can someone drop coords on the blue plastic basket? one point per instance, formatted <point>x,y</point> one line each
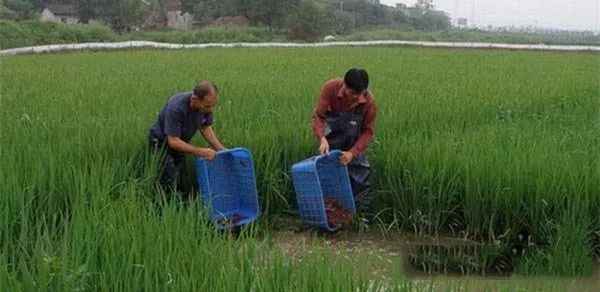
<point>318,178</point>
<point>228,187</point>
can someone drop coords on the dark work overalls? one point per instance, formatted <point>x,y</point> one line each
<point>342,131</point>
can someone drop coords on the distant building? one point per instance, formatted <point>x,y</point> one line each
<point>65,13</point>
<point>175,16</point>
<point>172,16</point>
<point>462,22</point>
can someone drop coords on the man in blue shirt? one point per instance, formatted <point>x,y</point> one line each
<point>178,121</point>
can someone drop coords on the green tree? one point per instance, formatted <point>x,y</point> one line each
<point>343,22</point>
<point>186,5</point>
<point>121,15</point>
<point>6,13</point>
<point>437,20</point>
<point>431,20</point>
<point>207,10</point>
<point>90,9</point>
<point>272,13</point>
<point>395,18</point>
<point>129,13</point>
<point>22,9</point>
<point>308,21</point>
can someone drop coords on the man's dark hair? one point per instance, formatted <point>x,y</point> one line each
<point>203,88</point>
<point>357,79</point>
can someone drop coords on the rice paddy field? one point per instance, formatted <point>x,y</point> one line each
<point>500,148</point>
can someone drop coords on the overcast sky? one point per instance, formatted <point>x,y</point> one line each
<point>565,14</point>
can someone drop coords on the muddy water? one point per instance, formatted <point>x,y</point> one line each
<point>386,256</point>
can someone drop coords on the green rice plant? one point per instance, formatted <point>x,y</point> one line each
<point>482,144</point>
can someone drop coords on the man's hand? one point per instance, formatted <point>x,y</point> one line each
<point>346,157</point>
<point>324,147</point>
<point>206,153</point>
<point>209,135</point>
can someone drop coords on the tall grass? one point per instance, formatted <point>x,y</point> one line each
<point>474,35</point>
<point>34,33</point>
<point>223,34</point>
<point>481,144</point>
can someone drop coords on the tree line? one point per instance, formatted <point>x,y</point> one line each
<point>302,19</point>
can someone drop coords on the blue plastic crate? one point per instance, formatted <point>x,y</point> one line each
<point>228,186</point>
<point>318,178</point>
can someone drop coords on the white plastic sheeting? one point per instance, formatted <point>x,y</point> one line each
<point>156,45</point>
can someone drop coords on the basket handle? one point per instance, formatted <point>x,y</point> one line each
<point>332,155</point>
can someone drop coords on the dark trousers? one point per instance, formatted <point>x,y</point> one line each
<point>359,171</point>
<point>170,165</point>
